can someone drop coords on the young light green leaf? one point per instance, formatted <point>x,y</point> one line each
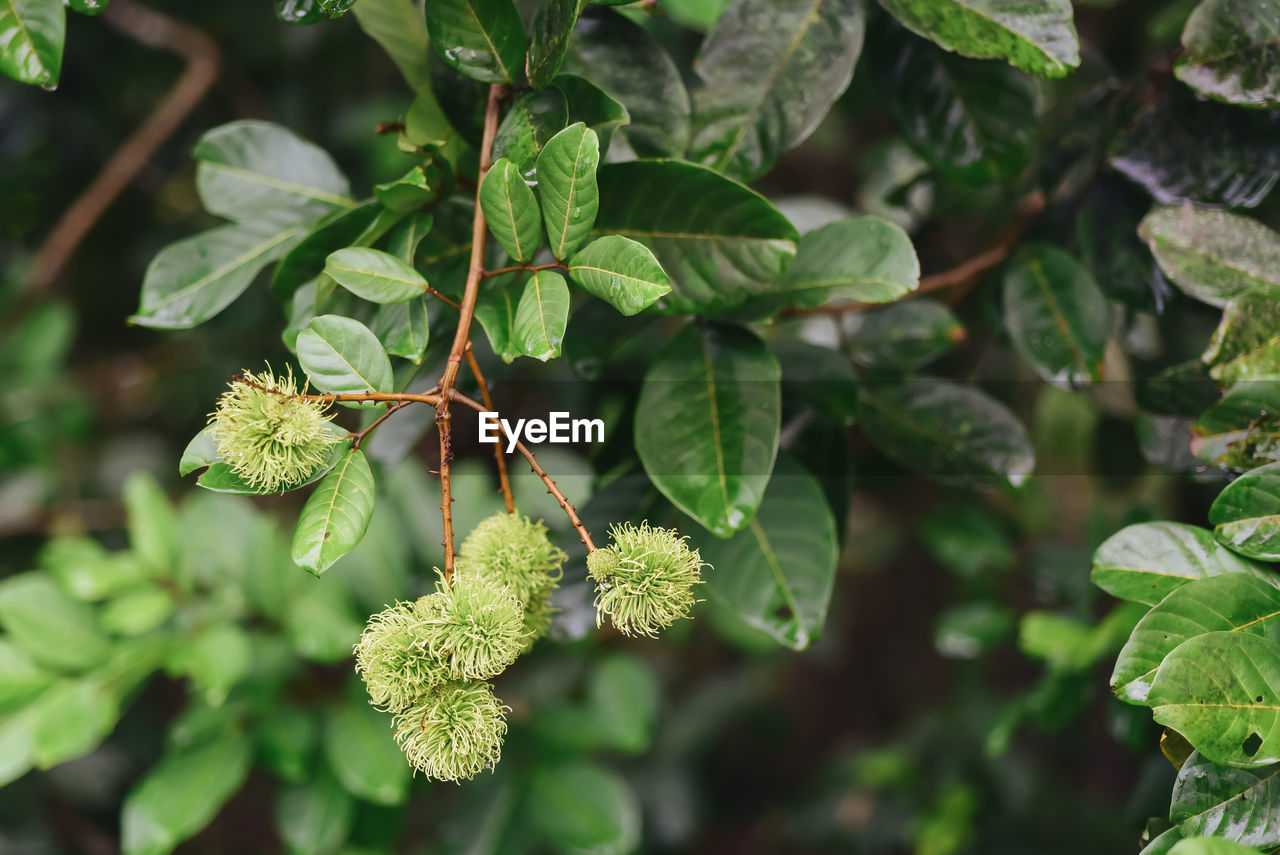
<point>861,258</point>
<point>153,529</point>
<point>374,275</point>
<point>718,241</point>
<point>31,37</point>
<point>538,328</point>
<point>951,433</point>
<point>1039,37</point>
<point>511,210</point>
<point>182,794</point>
<point>1057,316</point>
<point>1234,803</point>
<point>707,424</point>
<point>567,187</point>
<point>72,719</point>
<point>55,630</point>
<point>1221,691</point>
<point>17,743</point>
<point>1234,602</point>
<point>364,756</point>
<point>620,271</point>
<point>20,678</point>
<point>551,30</point>
<point>1231,53</point>
<point>584,807</point>
<point>399,27</point>
<point>194,279</point>
<point>215,660</point>
<point>781,568</point>
<point>483,39</point>
<point>403,328</point>
<point>770,69</point>
<point>249,168</point>
<point>1213,255</point>
<point>315,815</point>
<point>336,515</point>
<point>1146,562</point>
<point>342,355</point>
<point>1246,515</point>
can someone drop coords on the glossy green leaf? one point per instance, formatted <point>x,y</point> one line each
<point>511,210</point>
<point>403,328</point>
<point>1246,515</point>
<point>550,32</point>
<point>250,168</point>
<point>625,61</point>
<point>1146,562</point>
<point>1037,36</point>
<point>707,424</point>
<point>342,355</point>
<point>399,27</point>
<point>306,259</point>
<point>952,433</point>
<point>538,327</point>
<point>496,311</point>
<point>527,126</point>
<point>363,754</point>
<point>53,629</point>
<point>194,279</point>
<point>1056,315</point>
<point>905,335</point>
<point>336,515</point>
<point>1210,846</point>
<point>1221,691</point>
<point>719,242</point>
<point>972,121</point>
<point>594,107</point>
<point>483,39</point>
<point>72,719</point>
<point>861,258</point>
<point>567,187</point>
<point>1242,431</point>
<point>1236,804</point>
<point>420,186</point>
<point>580,807</point>
<point>31,36</point>
<point>1246,345</point>
<point>182,794</point>
<point>314,817</point>
<point>1214,255</point>
<point>1231,53</point>
<point>770,71</point>
<point>620,271</point>
<point>374,275</point>
<point>777,574</point>
<point>1233,602</point>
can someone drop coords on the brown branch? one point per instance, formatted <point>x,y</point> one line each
<point>504,483</point>
<point>162,32</point>
<point>434,293</point>
<point>532,268</point>
<point>359,437</point>
<point>565,504</point>
<point>446,491</point>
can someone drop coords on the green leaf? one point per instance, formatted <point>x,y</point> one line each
<point>31,37</point>
<point>1210,846</point>
<point>1057,316</point>
<point>623,695</point>
<point>17,743</point>
<point>620,271</point>
<point>322,622</point>
<point>182,794</point>
<point>215,660</point>
<point>341,355</point>
<point>314,817</point>
<point>286,740</point>
<point>153,527</point>
<point>363,755</point>
<point>862,258</point>
<point>1038,37</point>
<point>511,211</point>
<point>707,424</point>
<point>249,168</point>
<point>420,186</point>
<point>305,261</point>
<point>594,107</point>
<point>72,719</point>
<point>336,515</point>
<point>905,335</point>
<point>581,806</point>
<point>567,187</point>
<point>1234,602</point>
<point>770,71</point>
<point>1214,255</point>
<point>1235,803</point>
<point>951,433</point>
<point>538,328</point>
<point>399,27</point>
<point>374,275</point>
<point>496,311</point>
<point>1246,345</point>
<point>403,329</point>
<point>778,573</point>
<point>1231,53</point>
<point>1146,562</point>
<point>550,34</point>
<point>1242,431</point>
<point>194,279</point>
<point>55,630</point>
<point>20,678</point>
<point>526,128</point>
<point>719,242</point>
<point>1221,691</point>
<point>138,611</point>
<point>1246,515</point>
<point>86,571</point>
<point>973,121</point>
<point>483,39</point>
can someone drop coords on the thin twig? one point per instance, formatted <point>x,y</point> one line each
<point>359,437</point>
<point>157,30</point>
<point>434,293</point>
<point>532,268</point>
<point>446,492</point>
<point>504,483</point>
